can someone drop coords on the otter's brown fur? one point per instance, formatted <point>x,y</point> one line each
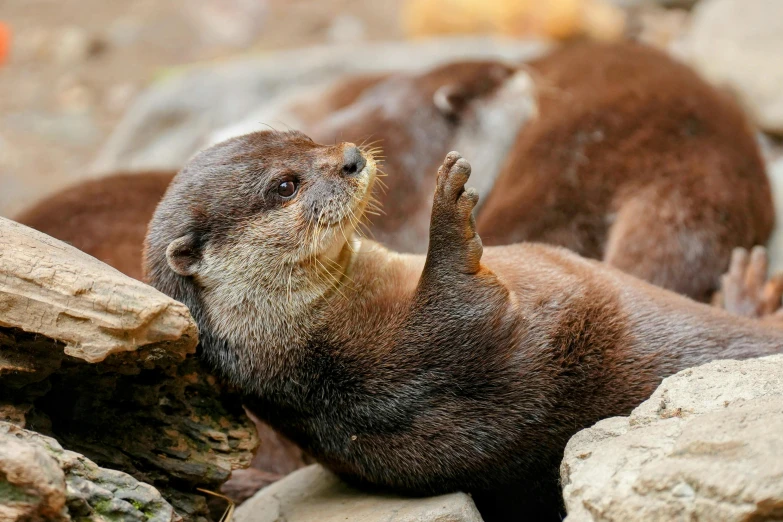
<point>635,160</point>
<point>418,374</point>
<point>106,218</point>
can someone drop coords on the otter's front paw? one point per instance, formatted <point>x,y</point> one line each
<point>453,237</point>
<point>745,289</point>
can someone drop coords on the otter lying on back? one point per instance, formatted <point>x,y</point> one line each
<point>423,374</point>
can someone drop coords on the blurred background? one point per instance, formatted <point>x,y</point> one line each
<point>91,86</point>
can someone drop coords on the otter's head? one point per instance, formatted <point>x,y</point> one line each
<point>247,219</point>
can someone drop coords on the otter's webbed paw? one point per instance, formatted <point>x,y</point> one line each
<point>453,238</point>
<point>745,289</point>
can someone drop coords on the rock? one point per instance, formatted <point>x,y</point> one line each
<point>706,446</point>
<point>58,291</point>
<point>173,119</point>
<point>313,493</point>
<point>105,365</point>
<point>738,44</point>
<point>42,481</point>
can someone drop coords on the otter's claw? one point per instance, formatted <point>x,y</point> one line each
<point>453,228</point>
<point>745,289</point>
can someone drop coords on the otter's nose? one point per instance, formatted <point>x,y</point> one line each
<point>353,161</point>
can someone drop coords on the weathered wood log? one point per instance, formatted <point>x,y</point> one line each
<point>106,365</point>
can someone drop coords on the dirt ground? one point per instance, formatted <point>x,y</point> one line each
<point>76,66</point>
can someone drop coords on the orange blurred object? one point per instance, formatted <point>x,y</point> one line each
<point>555,19</point>
<point>5,42</point>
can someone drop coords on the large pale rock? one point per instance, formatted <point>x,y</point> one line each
<point>706,446</point>
<point>39,480</point>
<point>739,44</point>
<point>313,493</point>
<point>55,290</point>
<point>174,118</point>
<point>106,366</point>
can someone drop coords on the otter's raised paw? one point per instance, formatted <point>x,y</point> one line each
<point>745,289</point>
<point>453,235</point>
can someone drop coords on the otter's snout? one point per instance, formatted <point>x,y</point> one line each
<point>353,161</point>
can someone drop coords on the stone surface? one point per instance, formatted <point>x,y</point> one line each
<point>174,118</point>
<point>738,44</point>
<point>313,493</point>
<point>106,366</point>
<point>706,446</point>
<point>55,290</point>
<point>39,480</point>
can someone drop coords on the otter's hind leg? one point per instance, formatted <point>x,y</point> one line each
<point>747,291</point>
<point>669,243</point>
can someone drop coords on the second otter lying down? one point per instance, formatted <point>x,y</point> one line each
<point>458,370</point>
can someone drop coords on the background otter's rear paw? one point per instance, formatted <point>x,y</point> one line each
<point>745,289</point>
<point>453,235</point>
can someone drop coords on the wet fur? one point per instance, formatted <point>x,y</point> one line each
<point>421,375</point>
<point>635,160</point>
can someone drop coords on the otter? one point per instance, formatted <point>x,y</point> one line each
<point>635,160</point>
<point>467,368</point>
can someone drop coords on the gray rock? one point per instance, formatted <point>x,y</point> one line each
<point>42,481</point>
<point>739,44</point>
<point>313,493</point>
<point>706,446</point>
<point>173,118</point>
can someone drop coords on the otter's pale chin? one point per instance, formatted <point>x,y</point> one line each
<point>340,236</point>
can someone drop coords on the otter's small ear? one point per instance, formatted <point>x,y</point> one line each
<point>183,256</point>
<point>450,100</point>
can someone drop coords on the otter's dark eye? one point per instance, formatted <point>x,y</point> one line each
<point>287,188</point>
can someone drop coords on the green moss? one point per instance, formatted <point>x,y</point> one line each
<point>102,506</point>
<point>107,511</point>
<point>11,493</point>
